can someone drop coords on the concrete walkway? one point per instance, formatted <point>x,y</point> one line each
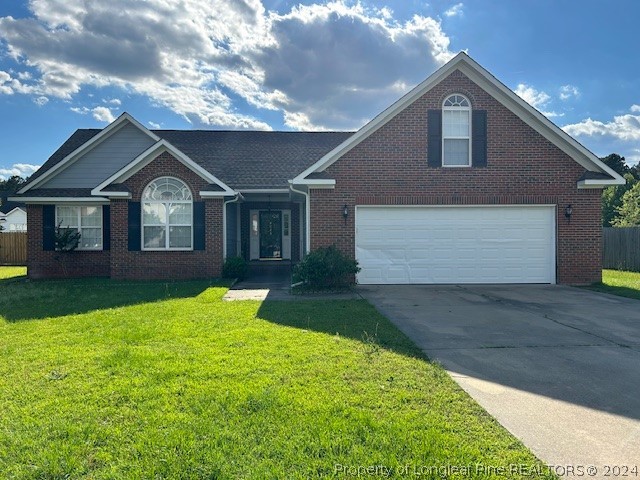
<point>559,367</point>
<point>277,287</point>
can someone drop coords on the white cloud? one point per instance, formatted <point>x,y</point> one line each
<point>103,114</point>
<point>454,11</point>
<point>100,113</point>
<point>536,98</point>
<point>568,91</point>
<point>80,110</point>
<point>635,108</point>
<point>532,96</point>
<point>113,101</point>
<point>334,64</point>
<point>19,169</point>
<point>41,101</point>
<point>154,125</point>
<point>622,127</point>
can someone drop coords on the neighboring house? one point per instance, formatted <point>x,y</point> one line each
<point>459,181</point>
<point>13,216</point>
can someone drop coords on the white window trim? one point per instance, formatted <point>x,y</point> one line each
<point>80,227</point>
<point>453,109</point>
<point>166,225</point>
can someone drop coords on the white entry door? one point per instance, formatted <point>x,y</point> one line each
<point>485,244</point>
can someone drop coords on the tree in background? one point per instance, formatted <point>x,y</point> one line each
<point>617,163</point>
<point>629,211</point>
<point>12,184</point>
<point>613,197</point>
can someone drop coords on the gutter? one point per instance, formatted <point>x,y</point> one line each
<point>236,197</point>
<point>307,216</point>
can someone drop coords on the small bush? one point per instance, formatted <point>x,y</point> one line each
<point>326,267</point>
<point>235,267</point>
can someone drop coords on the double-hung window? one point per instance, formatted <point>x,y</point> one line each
<point>85,220</point>
<point>456,131</point>
<point>167,215</point>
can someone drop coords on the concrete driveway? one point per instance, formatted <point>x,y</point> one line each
<point>559,367</point>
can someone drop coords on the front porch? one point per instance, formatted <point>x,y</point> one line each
<point>264,228</point>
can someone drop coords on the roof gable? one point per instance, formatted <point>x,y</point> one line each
<point>108,187</point>
<point>92,139</point>
<point>502,94</point>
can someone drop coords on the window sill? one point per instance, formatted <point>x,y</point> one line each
<point>167,250</point>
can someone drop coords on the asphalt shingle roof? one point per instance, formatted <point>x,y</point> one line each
<point>246,160</point>
<point>241,159</point>
<point>6,206</point>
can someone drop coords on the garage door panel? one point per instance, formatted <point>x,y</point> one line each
<point>456,244</point>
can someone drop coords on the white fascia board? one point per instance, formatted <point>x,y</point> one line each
<point>582,184</point>
<point>314,183</point>
<point>264,190</point>
<point>111,194</point>
<point>205,194</point>
<point>106,132</point>
<point>59,200</point>
<point>147,157</point>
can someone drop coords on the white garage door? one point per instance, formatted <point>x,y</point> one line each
<point>512,244</point>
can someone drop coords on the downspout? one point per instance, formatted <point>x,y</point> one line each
<point>307,216</point>
<point>224,223</point>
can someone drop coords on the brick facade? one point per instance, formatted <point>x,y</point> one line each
<point>119,262</point>
<point>51,264</point>
<point>390,168</point>
<point>166,265</point>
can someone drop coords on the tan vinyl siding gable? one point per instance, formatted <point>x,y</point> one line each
<point>103,160</point>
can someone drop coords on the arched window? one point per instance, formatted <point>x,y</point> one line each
<point>456,131</point>
<point>167,215</point>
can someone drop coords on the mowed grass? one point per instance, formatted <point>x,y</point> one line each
<point>106,380</point>
<point>624,284</point>
<point>12,272</point>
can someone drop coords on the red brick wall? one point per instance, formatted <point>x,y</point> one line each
<point>390,167</point>
<point>136,265</point>
<point>51,264</point>
<point>166,265</point>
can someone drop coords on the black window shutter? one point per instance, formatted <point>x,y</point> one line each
<point>479,138</point>
<point>48,227</point>
<point>434,138</point>
<point>134,234</point>
<point>106,227</point>
<point>198,226</point>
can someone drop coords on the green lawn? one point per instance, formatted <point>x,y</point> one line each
<point>625,284</point>
<point>100,379</point>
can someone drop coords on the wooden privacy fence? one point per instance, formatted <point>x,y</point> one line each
<point>621,248</point>
<point>13,248</point>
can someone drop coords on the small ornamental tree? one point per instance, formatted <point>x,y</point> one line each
<point>66,239</point>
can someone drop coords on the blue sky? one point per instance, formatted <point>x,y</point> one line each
<point>283,65</point>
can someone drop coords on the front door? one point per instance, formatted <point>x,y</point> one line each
<point>271,234</point>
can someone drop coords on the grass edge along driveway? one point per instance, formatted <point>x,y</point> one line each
<point>100,379</point>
